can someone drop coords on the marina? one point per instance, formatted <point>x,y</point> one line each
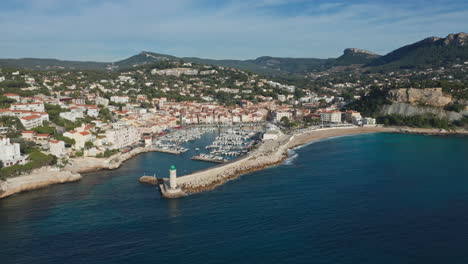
<point>229,142</point>
<point>172,142</point>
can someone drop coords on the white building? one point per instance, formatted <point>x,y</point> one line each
<point>350,115</point>
<point>369,121</point>
<point>120,99</point>
<point>31,121</point>
<point>57,148</point>
<point>331,116</point>
<point>13,96</point>
<point>80,138</point>
<point>93,111</point>
<point>123,136</point>
<point>33,107</point>
<point>72,116</point>
<point>10,153</point>
<point>278,115</point>
<point>102,101</point>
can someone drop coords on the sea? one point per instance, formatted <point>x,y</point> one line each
<point>373,198</point>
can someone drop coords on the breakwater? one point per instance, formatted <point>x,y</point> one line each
<point>270,153</point>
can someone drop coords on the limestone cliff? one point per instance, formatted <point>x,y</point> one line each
<point>411,102</point>
<point>405,109</point>
<point>428,96</point>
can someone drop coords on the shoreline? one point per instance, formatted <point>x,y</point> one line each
<point>91,164</point>
<point>37,179</point>
<point>45,177</point>
<point>269,154</point>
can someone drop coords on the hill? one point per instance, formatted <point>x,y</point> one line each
<point>430,52</point>
<point>52,64</point>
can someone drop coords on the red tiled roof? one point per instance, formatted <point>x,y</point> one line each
<point>85,133</point>
<point>31,117</point>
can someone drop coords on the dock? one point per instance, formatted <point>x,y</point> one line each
<point>209,159</point>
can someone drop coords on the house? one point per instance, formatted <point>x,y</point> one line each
<point>28,134</point>
<point>57,148</point>
<point>93,111</point>
<point>73,115</point>
<point>80,138</point>
<point>10,153</point>
<point>102,101</point>
<point>120,99</point>
<point>13,96</point>
<point>42,137</point>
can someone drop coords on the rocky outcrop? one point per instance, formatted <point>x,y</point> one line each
<point>149,180</point>
<point>37,179</point>
<point>89,164</point>
<point>428,96</point>
<point>460,39</point>
<point>353,51</point>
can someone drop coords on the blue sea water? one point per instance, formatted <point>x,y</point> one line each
<point>376,198</point>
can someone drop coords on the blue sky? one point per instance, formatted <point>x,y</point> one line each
<point>110,30</point>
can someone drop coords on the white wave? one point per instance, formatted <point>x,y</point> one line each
<point>292,155</point>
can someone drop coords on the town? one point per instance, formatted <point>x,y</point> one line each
<point>56,117</point>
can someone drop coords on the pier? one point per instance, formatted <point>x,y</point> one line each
<point>169,151</point>
<point>208,159</point>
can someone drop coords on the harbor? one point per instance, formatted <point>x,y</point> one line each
<point>229,142</point>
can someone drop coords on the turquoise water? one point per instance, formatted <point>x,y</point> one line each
<point>377,198</point>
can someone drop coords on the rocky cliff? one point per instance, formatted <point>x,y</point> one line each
<point>428,96</point>
<point>411,102</point>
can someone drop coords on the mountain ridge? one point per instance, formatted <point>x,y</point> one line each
<point>429,51</point>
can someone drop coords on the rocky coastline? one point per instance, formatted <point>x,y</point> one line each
<point>90,164</point>
<point>47,176</point>
<point>37,179</point>
<point>430,131</point>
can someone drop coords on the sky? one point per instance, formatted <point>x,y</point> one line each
<point>111,30</point>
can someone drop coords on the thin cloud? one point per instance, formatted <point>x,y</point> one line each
<point>110,30</point>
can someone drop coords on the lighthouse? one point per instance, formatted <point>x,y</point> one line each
<point>173,178</point>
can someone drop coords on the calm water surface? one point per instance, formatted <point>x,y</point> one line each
<point>377,198</point>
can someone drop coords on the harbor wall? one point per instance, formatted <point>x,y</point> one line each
<point>270,153</point>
